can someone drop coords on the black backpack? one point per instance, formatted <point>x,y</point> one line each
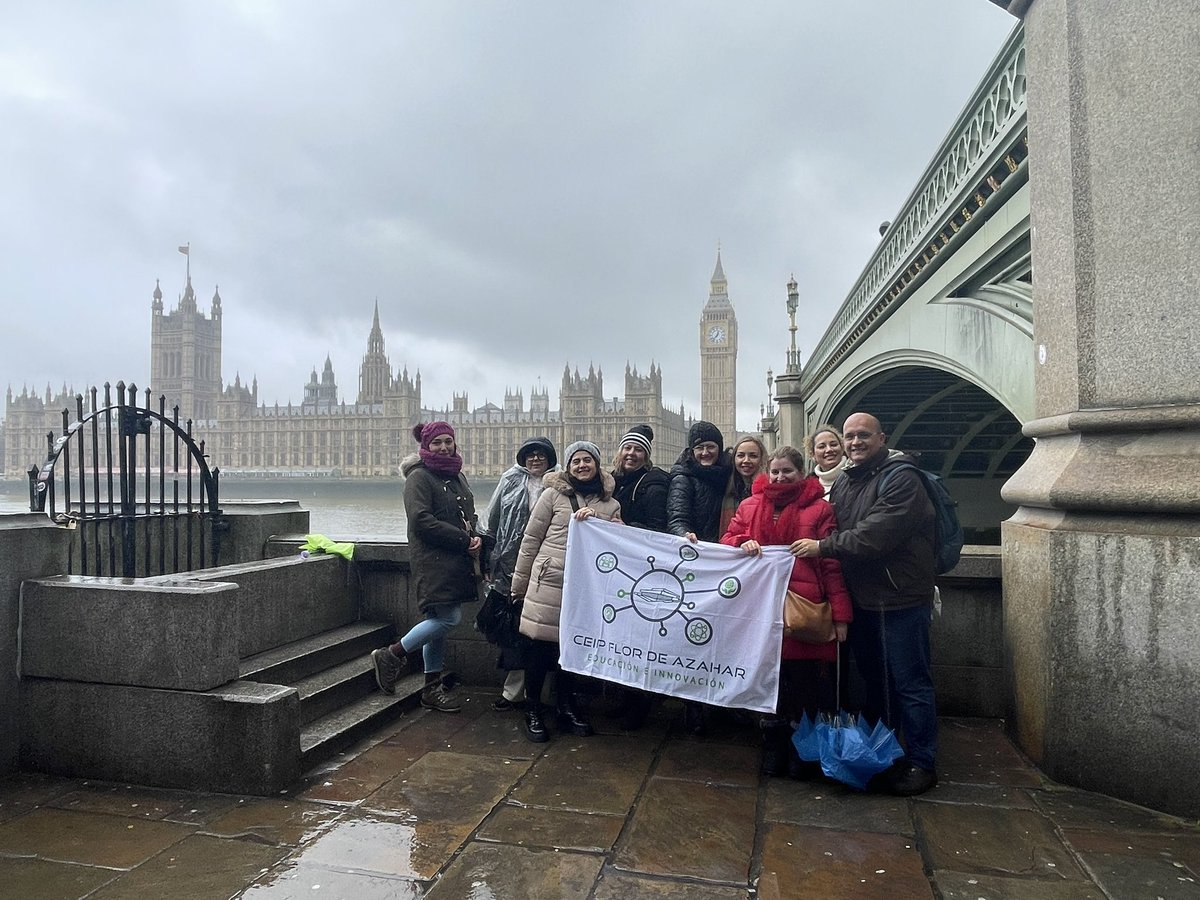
<point>947,531</point>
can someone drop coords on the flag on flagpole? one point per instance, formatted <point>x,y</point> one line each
<point>698,621</point>
<point>183,248</point>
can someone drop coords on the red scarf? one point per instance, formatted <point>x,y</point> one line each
<point>791,500</point>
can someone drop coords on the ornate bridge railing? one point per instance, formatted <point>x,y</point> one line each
<point>135,485</point>
<point>982,160</point>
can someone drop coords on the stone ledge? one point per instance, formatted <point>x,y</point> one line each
<point>241,738</point>
<point>130,632</point>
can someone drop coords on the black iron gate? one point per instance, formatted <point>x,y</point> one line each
<point>134,484</point>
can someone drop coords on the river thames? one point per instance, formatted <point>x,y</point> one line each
<point>336,508</point>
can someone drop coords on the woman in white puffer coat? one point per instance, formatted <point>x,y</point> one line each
<point>583,490</point>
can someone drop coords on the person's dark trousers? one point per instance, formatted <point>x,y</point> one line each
<point>891,650</point>
<point>541,659</point>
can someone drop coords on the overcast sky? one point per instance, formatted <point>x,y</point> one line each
<point>521,185</point>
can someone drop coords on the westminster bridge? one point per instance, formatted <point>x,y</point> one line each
<point>1027,324</point>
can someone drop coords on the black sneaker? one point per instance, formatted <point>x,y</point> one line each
<point>435,696</point>
<point>912,780</point>
<point>388,668</point>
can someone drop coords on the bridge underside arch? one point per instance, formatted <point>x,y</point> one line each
<point>956,429</point>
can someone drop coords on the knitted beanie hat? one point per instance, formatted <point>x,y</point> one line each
<point>425,433</point>
<point>583,445</point>
<point>541,443</point>
<point>641,435</point>
<point>702,431</point>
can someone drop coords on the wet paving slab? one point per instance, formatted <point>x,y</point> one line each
<point>436,805</point>
<point>198,866</point>
<point>114,842</point>
<point>122,800</point>
<point>975,751</point>
<point>23,792</point>
<point>44,879</point>
<point>616,885</point>
<point>1001,841</point>
<point>497,870</point>
<point>600,774</point>
<point>826,804</point>
<point>441,799</point>
<point>821,862</point>
<point>529,826</point>
<point>297,879</point>
<point>691,829</point>
<point>269,821</point>
<point>732,764</point>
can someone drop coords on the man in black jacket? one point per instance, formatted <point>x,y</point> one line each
<point>885,541</point>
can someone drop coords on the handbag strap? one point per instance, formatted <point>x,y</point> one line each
<point>574,502</point>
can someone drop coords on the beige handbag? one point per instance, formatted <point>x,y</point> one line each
<point>807,621</point>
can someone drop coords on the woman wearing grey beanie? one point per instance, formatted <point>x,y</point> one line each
<point>583,490</point>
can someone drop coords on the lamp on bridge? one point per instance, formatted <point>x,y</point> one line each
<point>793,303</point>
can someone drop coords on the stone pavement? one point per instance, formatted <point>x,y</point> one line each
<point>457,806</point>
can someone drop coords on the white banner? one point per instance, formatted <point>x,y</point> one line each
<point>700,621</point>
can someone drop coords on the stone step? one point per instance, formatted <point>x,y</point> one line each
<point>325,736</point>
<point>290,663</point>
<point>324,692</point>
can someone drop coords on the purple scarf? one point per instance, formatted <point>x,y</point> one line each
<point>440,464</point>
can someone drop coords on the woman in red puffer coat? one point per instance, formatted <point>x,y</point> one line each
<point>784,507</point>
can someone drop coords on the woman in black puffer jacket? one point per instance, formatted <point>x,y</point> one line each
<point>698,482</point>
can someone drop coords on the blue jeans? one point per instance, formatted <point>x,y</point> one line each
<point>430,634</point>
<point>892,652</point>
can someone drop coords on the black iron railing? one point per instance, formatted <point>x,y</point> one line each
<point>152,504</point>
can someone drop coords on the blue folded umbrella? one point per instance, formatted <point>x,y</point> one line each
<point>846,748</point>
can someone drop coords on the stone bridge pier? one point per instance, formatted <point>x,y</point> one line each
<point>1102,560</point>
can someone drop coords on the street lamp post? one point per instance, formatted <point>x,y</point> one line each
<point>793,303</point>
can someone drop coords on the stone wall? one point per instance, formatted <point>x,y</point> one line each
<point>30,547</point>
<point>33,548</point>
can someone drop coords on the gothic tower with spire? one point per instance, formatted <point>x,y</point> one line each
<point>375,373</point>
<point>185,354</point>
<point>718,357</point>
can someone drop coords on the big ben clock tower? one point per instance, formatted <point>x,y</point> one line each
<point>718,357</point>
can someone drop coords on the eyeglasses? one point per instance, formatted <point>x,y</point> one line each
<point>535,454</point>
<point>859,435</point>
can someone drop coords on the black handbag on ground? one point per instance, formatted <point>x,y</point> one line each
<point>499,619</point>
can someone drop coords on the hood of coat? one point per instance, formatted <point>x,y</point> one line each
<point>891,458</point>
<point>409,463</point>
<point>560,482</point>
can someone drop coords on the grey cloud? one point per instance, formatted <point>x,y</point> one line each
<point>520,184</point>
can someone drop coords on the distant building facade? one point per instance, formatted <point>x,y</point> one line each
<point>367,438</point>
<point>324,435</point>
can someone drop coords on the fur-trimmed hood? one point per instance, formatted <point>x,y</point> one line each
<point>560,482</point>
<point>409,463</point>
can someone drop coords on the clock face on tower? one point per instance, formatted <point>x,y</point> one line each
<point>716,335</point>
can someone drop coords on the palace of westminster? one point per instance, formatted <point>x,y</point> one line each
<point>327,436</point>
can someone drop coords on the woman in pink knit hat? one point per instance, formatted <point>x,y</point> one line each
<point>443,553</point>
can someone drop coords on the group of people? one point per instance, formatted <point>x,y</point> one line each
<point>854,515</point>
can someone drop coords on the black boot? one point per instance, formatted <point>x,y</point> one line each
<point>797,768</point>
<point>571,720</point>
<point>637,707</point>
<point>535,725</point>
<point>695,718</point>
<point>776,742</point>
